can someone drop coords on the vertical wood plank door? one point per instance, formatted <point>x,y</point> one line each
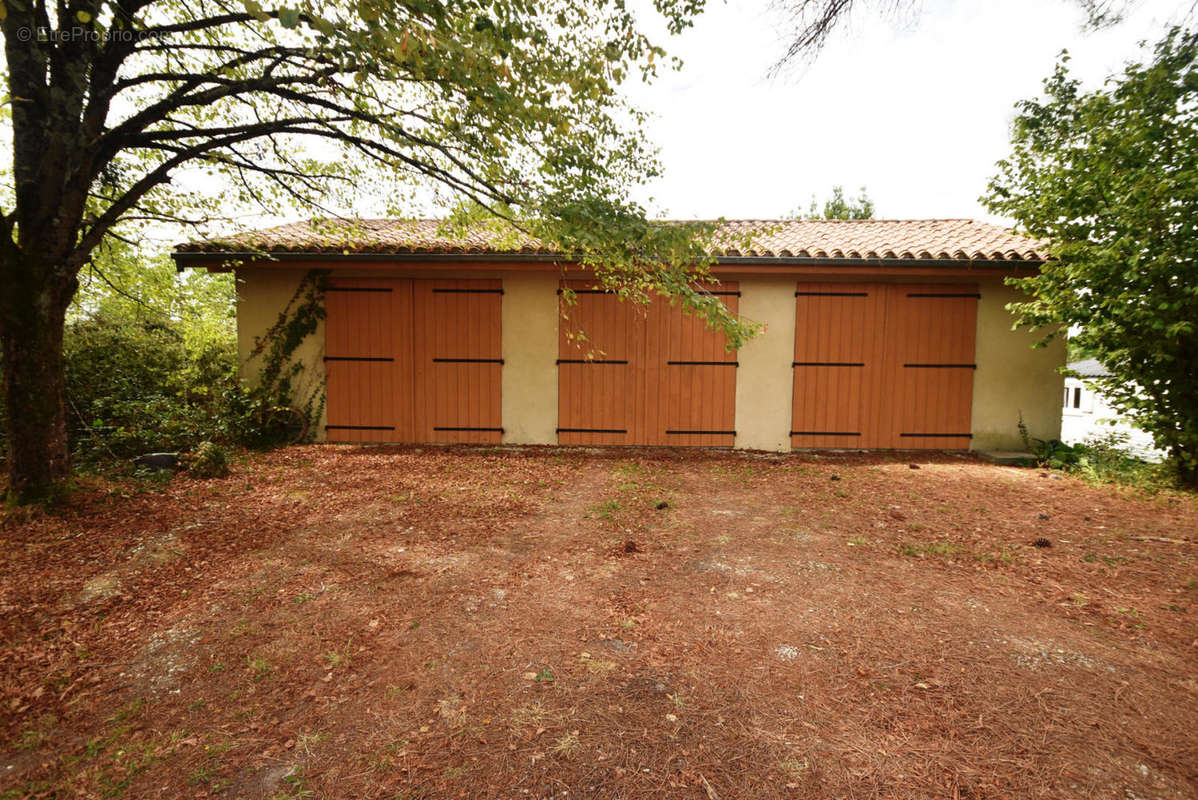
<point>930,333</point>
<point>600,352</point>
<point>837,367</point>
<point>637,375</point>
<point>368,360</point>
<point>458,361</point>
<point>691,376</point>
<point>887,366</point>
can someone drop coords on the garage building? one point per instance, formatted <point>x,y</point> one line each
<point>879,334</point>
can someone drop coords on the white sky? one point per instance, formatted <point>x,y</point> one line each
<point>918,110</point>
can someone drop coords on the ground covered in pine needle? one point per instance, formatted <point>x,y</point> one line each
<point>352,622</point>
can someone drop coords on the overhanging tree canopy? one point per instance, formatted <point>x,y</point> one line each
<point>511,107</point>
<point>1110,178</point>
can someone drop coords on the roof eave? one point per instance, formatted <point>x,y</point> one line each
<point>186,258</point>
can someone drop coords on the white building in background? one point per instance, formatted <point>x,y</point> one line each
<point>1086,413</point>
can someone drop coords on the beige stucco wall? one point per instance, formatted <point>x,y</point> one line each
<point>763,380</point>
<point>262,295</point>
<point>1012,378</point>
<point>529,323</point>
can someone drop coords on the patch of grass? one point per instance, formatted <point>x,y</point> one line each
<point>209,771</point>
<point>28,739</point>
<point>340,658</point>
<point>740,473</point>
<point>385,760</point>
<point>1003,556</point>
<point>795,767</point>
<point>128,761</point>
<point>942,549</point>
<point>545,676</point>
<point>1110,561</point>
<point>452,710</point>
<point>596,666</point>
<point>531,716</point>
<point>259,666</point>
<point>296,787</point>
<point>630,470</point>
<point>607,509</point>
<point>202,774</point>
<point>251,595</point>
<point>129,710</point>
<point>29,789</point>
<point>306,741</point>
<point>568,744</point>
<point>118,755</point>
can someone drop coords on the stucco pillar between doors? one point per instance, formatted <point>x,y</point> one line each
<point>529,322</point>
<point>764,379</point>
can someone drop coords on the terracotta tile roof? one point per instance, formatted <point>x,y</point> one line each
<point>931,239</point>
<point>887,239</point>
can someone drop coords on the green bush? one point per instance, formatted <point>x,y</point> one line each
<point>137,386</point>
<point>208,460</point>
<point>1105,458</point>
<point>152,364</point>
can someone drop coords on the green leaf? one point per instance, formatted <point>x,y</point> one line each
<point>254,9</point>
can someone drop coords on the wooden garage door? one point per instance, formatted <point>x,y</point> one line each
<point>883,365</point>
<point>368,360</point>
<point>459,364</point>
<point>692,375</point>
<point>413,360</point>
<point>930,332</point>
<point>631,374</point>
<point>599,375</point>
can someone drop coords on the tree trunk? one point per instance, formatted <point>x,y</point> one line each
<point>31,329</point>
